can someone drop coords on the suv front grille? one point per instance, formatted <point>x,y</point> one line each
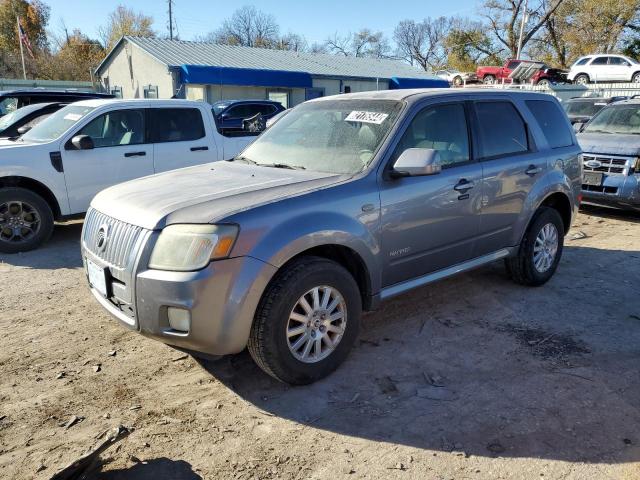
<point>119,238</point>
<point>608,164</point>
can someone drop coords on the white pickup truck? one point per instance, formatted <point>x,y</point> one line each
<point>54,170</point>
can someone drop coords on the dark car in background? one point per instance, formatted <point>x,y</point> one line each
<point>582,109</point>
<point>11,100</point>
<point>229,114</point>
<point>14,124</point>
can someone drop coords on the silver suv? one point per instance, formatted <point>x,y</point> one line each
<point>345,202</point>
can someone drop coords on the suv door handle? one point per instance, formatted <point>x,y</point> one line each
<point>464,185</point>
<point>533,170</point>
<point>199,149</point>
<point>135,154</point>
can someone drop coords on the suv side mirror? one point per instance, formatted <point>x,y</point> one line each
<point>578,126</point>
<point>24,129</point>
<point>416,162</point>
<point>82,142</point>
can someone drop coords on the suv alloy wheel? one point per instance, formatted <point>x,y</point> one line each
<point>582,79</point>
<point>306,322</point>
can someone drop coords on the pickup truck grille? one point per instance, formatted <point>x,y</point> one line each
<point>109,239</point>
<point>607,164</point>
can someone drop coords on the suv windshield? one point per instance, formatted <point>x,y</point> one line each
<point>58,123</point>
<point>587,108</point>
<point>623,119</point>
<point>335,136</point>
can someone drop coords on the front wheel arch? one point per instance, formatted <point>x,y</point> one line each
<point>36,187</point>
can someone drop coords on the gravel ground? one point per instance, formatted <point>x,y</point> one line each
<point>471,378</point>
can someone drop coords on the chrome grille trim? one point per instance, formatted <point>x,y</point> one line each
<point>121,242</point>
<point>609,164</point>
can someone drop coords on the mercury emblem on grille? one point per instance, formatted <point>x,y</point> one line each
<point>102,237</point>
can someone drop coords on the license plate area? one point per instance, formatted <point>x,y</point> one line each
<point>592,178</point>
<point>97,277</point>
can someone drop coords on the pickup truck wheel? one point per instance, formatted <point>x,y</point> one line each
<point>489,80</point>
<point>307,321</point>
<point>544,82</point>
<point>582,79</point>
<point>540,250</point>
<point>26,220</point>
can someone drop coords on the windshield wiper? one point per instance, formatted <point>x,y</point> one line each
<point>282,165</point>
<point>242,158</point>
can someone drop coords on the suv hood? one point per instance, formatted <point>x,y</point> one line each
<point>204,193</point>
<point>610,143</point>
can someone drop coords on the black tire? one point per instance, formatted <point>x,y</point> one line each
<point>635,78</point>
<point>34,207</point>
<point>457,81</point>
<point>543,82</point>
<point>489,80</point>
<point>521,268</point>
<point>268,340</point>
<point>582,79</point>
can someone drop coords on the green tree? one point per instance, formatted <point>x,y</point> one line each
<point>34,16</point>
<point>468,44</point>
<point>75,59</point>
<point>125,21</point>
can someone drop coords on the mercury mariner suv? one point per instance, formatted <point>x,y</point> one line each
<point>343,203</point>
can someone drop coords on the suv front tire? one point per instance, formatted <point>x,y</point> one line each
<point>306,322</point>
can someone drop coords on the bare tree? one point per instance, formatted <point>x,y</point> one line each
<point>248,27</point>
<point>364,43</point>
<point>293,42</point>
<point>504,17</point>
<point>125,21</point>
<point>423,42</point>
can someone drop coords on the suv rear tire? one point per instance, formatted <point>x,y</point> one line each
<point>299,334</point>
<point>635,78</point>
<point>540,250</point>
<point>26,220</point>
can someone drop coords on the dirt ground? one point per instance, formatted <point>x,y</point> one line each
<point>471,378</point>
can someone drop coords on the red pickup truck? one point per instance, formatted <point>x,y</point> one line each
<point>544,76</point>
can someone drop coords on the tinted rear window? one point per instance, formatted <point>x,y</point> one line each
<point>175,125</point>
<point>552,121</point>
<point>502,130</point>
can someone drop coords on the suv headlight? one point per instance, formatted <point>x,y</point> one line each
<point>185,248</point>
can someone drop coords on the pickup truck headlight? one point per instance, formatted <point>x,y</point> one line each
<point>185,248</point>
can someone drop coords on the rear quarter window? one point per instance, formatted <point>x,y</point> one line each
<point>552,121</point>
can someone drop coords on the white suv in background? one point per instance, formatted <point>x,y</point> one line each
<point>604,68</point>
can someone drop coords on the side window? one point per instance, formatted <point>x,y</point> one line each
<point>119,127</point>
<point>618,61</point>
<point>240,111</point>
<point>600,61</point>
<point>552,122</point>
<point>267,109</point>
<point>583,61</point>
<point>501,129</point>
<point>175,125</point>
<point>442,128</point>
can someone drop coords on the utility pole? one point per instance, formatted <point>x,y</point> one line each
<point>524,21</point>
<point>170,19</point>
<point>24,71</point>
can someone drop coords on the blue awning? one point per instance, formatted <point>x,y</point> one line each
<point>398,83</point>
<point>244,76</point>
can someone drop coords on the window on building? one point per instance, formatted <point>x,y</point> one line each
<point>552,121</point>
<point>119,127</point>
<point>280,96</point>
<point>347,89</point>
<point>116,91</point>
<point>442,128</point>
<point>175,125</point>
<point>151,91</point>
<point>501,129</point>
<point>195,92</point>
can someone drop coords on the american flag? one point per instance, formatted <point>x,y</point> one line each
<point>24,39</point>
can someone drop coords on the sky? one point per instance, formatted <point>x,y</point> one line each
<point>315,20</point>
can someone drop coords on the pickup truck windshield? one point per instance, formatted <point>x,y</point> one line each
<point>58,123</point>
<point>622,119</point>
<point>337,136</point>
